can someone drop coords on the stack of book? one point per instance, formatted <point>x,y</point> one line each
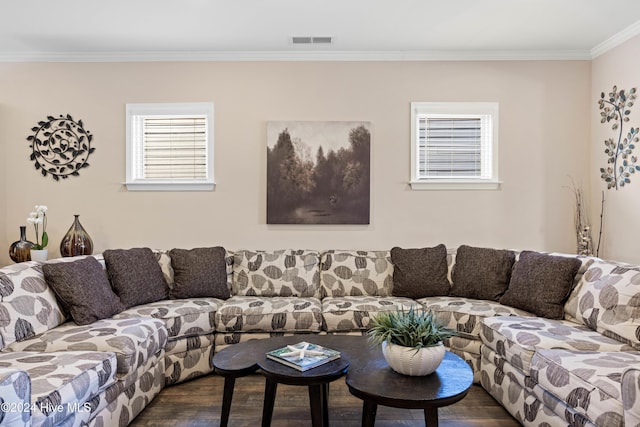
<point>303,356</point>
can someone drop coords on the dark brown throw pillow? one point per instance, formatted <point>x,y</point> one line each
<point>541,283</point>
<point>135,276</point>
<point>83,288</point>
<point>199,272</point>
<point>420,273</point>
<point>481,273</point>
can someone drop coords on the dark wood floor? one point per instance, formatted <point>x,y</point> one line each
<point>197,403</point>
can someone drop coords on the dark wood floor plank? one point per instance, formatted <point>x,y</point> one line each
<point>198,403</point>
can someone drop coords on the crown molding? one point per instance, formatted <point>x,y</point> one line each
<point>315,55</point>
<point>616,40</point>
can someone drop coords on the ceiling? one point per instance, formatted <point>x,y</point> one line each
<point>92,30</point>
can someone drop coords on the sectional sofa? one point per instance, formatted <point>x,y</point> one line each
<point>91,340</point>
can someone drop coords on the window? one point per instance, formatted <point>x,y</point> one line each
<point>454,145</point>
<point>170,147</point>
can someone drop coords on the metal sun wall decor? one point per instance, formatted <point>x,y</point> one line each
<point>621,163</point>
<point>318,172</point>
<point>60,147</point>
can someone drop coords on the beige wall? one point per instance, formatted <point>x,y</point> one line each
<point>621,230</point>
<point>544,139</point>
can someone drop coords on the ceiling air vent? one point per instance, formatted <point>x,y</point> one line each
<point>311,40</point>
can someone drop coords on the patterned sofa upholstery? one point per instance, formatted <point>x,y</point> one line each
<point>15,397</point>
<point>631,396</point>
<point>580,370</point>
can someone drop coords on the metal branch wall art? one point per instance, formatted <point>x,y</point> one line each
<point>621,162</point>
<point>60,147</point>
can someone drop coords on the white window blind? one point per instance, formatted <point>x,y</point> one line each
<point>170,147</point>
<point>174,148</point>
<point>454,145</point>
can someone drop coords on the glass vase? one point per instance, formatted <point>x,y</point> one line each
<point>20,251</point>
<point>77,241</point>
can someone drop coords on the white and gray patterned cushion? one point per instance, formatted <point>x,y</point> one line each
<point>608,301</point>
<point>589,382</point>
<point>189,357</point>
<point>15,393</point>
<point>283,273</point>
<point>27,305</point>
<point>464,315</point>
<point>356,273</point>
<point>516,339</point>
<point>631,396</point>
<point>463,344</point>
<point>121,403</point>
<point>62,381</point>
<point>529,404</point>
<point>132,340</point>
<point>350,313</point>
<point>183,345</point>
<point>188,365</point>
<point>182,317</point>
<point>256,314</point>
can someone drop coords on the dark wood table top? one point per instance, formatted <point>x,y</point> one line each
<point>376,381</point>
<point>243,358</point>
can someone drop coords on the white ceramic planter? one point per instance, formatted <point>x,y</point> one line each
<point>39,255</point>
<point>408,361</point>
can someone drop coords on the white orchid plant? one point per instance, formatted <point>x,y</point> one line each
<point>38,218</point>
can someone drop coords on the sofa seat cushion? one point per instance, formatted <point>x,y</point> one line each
<point>356,273</point>
<point>132,340</point>
<point>62,382</point>
<point>15,391</point>
<point>464,314</point>
<point>516,339</point>
<point>182,317</point>
<point>588,381</point>
<point>350,313</point>
<point>259,314</point>
<point>28,306</point>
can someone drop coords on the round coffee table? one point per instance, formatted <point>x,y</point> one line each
<point>377,384</point>
<point>316,379</point>
<point>245,358</point>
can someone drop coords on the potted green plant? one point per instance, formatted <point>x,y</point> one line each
<point>411,340</point>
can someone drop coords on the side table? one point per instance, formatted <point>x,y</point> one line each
<point>377,384</point>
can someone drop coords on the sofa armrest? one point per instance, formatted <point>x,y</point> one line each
<point>631,396</point>
<point>15,397</point>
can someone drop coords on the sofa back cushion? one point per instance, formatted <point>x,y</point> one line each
<point>27,305</point>
<point>83,289</point>
<point>482,273</point>
<point>420,272</point>
<point>355,273</point>
<point>284,273</point>
<point>607,300</point>
<point>200,272</point>
<point>135,276</point>
<point>540,283</point>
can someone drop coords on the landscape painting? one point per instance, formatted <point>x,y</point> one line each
<point>318,172</point>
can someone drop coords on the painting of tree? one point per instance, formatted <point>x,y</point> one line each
<point>318,172</point>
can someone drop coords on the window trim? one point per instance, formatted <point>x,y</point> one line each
<point>455,108</point>
<point>133,147</point>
